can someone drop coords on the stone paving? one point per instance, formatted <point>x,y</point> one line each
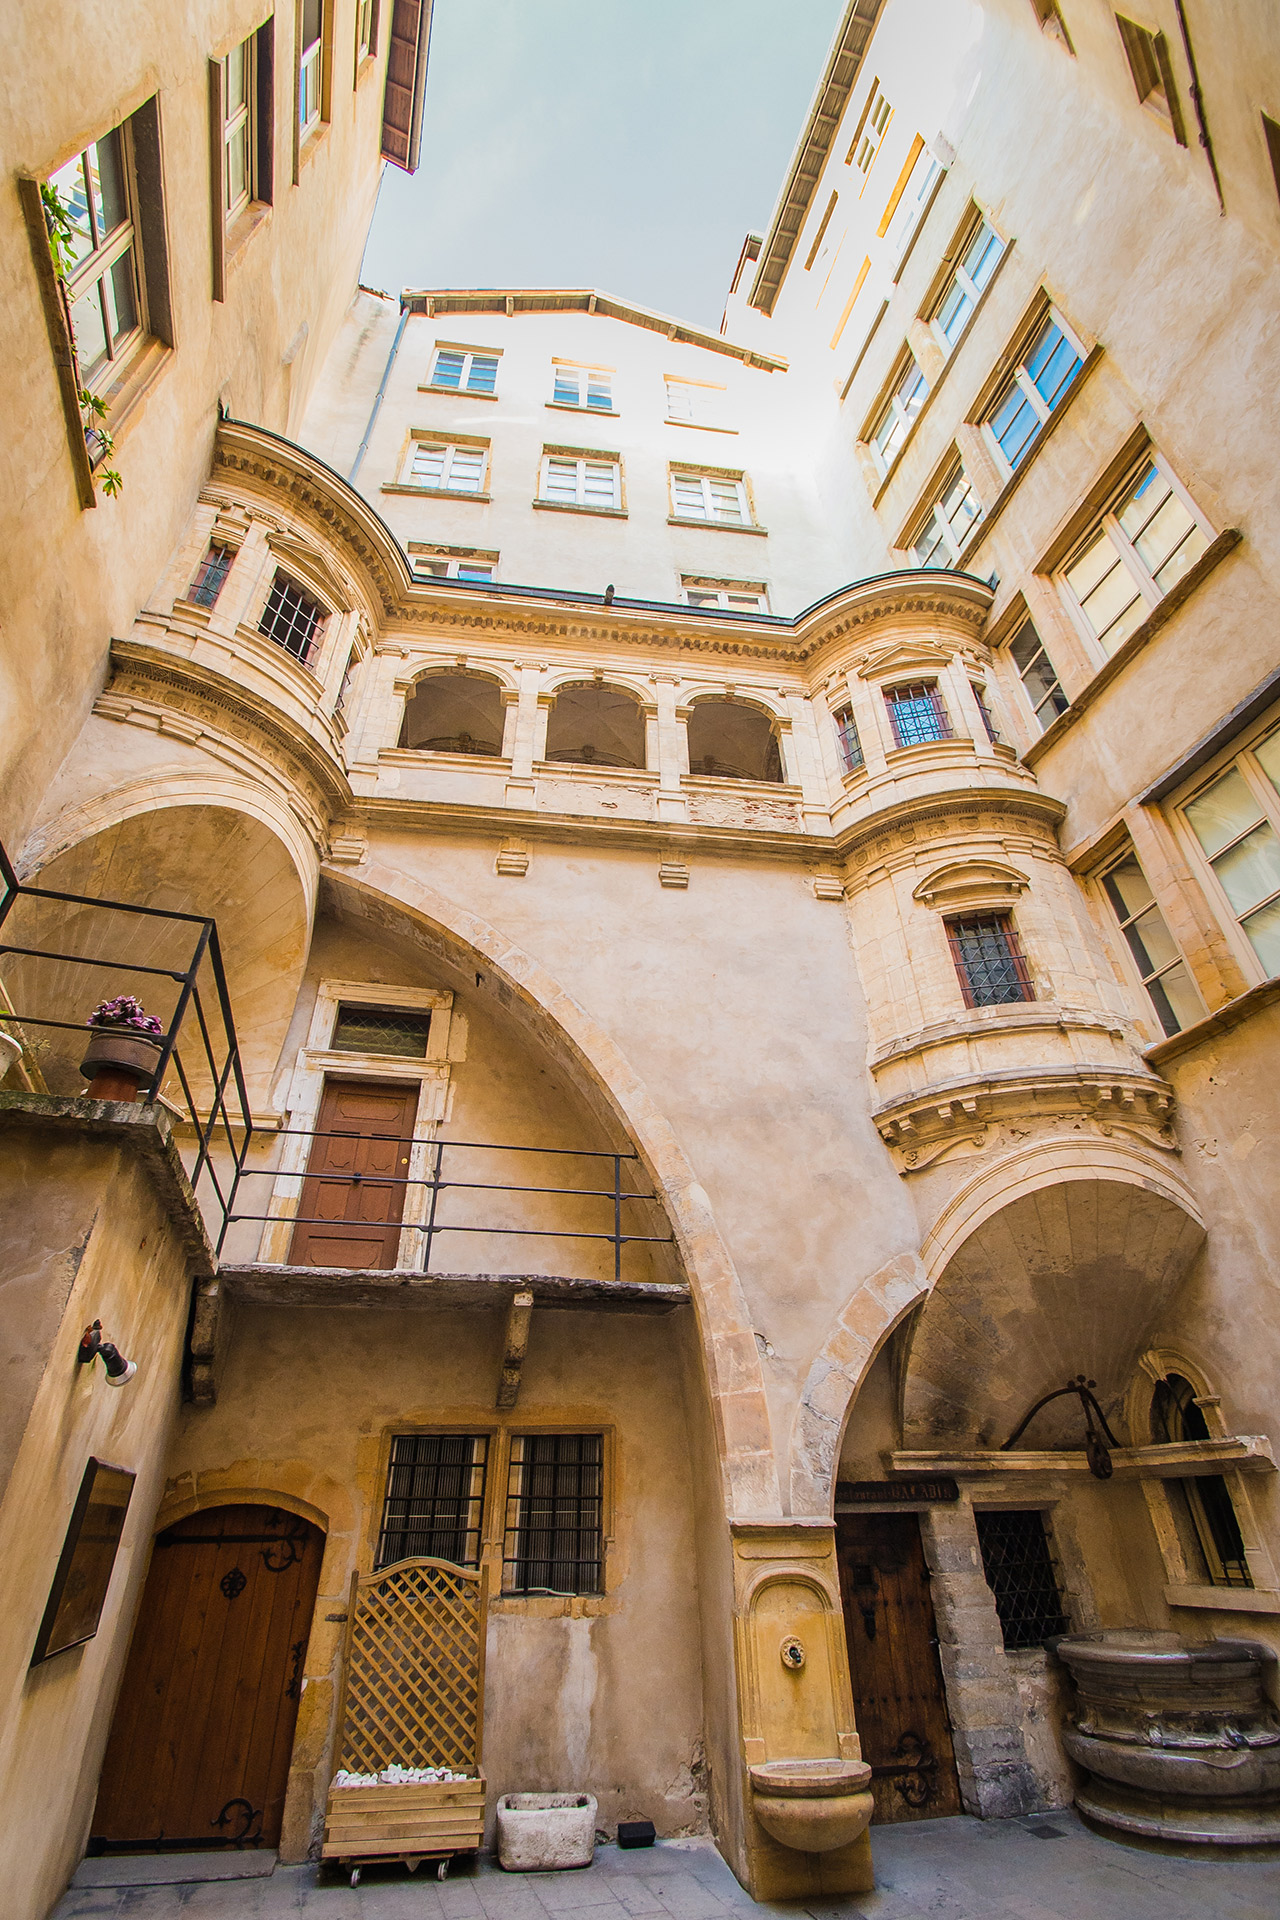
<point>1049,1867</point>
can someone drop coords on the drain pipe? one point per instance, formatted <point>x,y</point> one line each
<point>363,448</point>
<point>1197,102</point>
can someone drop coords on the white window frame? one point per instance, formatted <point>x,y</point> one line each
<point>696,591</point>
<point>1028,625</point>
<point>1107,521</point>
<point>582,378</point>
<point>452,449</point>
<point>1129,959</point>
<point>96,268</point>
<point>1021,378</point>
<point>240,125</point>
<point>581,461</point>
<point>366,31</point>
<point>892,416</point>
<point>310,75</point>
<point>1243,761</point>
<point>970,289</point>
<point>916,199</point>
<point>468,355</point>
<point>693,403</point>
<point>707,479</point>
<point>870,137</point>
<point>438,566</point>
<point>942,524</point>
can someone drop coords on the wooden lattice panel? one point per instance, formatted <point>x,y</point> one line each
<point>414,1673</point>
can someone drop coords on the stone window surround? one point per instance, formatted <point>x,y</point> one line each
<point>305,1090</point>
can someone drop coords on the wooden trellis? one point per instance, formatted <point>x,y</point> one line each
<point>413,1676</point>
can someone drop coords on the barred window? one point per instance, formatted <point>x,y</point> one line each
<point>290,617</point>
<point>435,1498</point>
<point>389,1030</point>
<point>917,714</point>
<point>847,734</point>
<point>1019,1570</point>
<point>554,1525</point>
<point>988,718</point>
<point>990,962</point>
<point>210,576</point>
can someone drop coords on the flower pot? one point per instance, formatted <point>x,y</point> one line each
<point>10,1053</point>
<point>117,1062</point>
<point>541,1832</point>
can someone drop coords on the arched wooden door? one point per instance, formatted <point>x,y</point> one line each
<point>203,1730</point>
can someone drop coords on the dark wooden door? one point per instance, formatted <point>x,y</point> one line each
<point>354,1191</point>
<point>898,1698</point>
<point>199,1749</point>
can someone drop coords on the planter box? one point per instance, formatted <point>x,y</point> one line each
<point>542,1832</point>
<point>367,1823</point>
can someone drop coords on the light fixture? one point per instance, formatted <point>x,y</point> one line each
<point>92,1344</point>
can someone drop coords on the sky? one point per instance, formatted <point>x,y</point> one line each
<point>627,145</point>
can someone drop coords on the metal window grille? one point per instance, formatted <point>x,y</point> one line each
<point>388,1030</point>
<point>435,1498</point>
<point>290,617</point>
<point>210,575</point>
<point>554,1525</point>
<point>1019,1570</point>
<point>917,714</point>
<point>990,962</point>
<point>847,734</point>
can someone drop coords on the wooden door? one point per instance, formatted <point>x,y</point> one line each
<point>199,1749</point>
<point>899,1703</point>
<point>354,1191</point>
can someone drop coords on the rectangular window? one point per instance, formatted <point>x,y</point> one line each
<point>237,130</point>
<point>396,1031</point>
<point>366,29</point>
<point>291,617</point>
<point>443,467</point>
<point>310,66</point>
<point>1019,1571</point>
<point>1037,386</point>
<point>709,496</point>
<point>1235,820</point>
<point>1038,677</point>
<point>976,265</point>
<point>894,421</point>
<point>578,481</point>
<point>1049,15</point>
<point>442,569</point>
<point>590,387</point>
<point>989,961</point>
<point>1162,969</point>
<point>912,203</point>
<point>988,718</point>
<point>434,1508</point>
<point>1142,546</point>
<point>210,575</point>
<point>463,371</point>
<point>1148,57</point>
<point>917,714</point>
<point>1271,134</point>
<point>694,403</point>
<point>847,735</point>
<point>956,511</point>
<point>870,135</point>
<point>736,596</point>
<point>97,242</point>
<point>554,1541</point>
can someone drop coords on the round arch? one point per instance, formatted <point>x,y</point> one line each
<point>596,723</point>
<point>731,738</point>
<point>455,710</point>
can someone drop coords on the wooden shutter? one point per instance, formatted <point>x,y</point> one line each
<point>406,82</point>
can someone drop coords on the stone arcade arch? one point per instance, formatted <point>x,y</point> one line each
<point>455,712</point>
<point>596,724</point>
<point>732,739</point>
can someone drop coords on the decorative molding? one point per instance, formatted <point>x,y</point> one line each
<point>971,883</point>
<point>673,873</point>
<point>966,1107</point>
<point>1185,1459</point>
<point>512,859</point>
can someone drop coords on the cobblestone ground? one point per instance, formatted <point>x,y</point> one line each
<point>1045,1868</point>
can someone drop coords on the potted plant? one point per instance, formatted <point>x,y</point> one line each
<point>124,1049</point>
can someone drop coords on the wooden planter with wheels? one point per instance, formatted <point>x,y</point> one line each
<point>412,1696</point>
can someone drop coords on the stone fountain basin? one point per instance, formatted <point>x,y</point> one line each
<point>813,1805</point>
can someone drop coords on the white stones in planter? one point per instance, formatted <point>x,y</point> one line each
<point>541,1832</point>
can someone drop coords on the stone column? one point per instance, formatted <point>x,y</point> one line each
<point>672,756</point>
<point>996,1780</point>
<point>524,738</point>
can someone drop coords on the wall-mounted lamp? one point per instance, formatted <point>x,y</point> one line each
<point>92,1344</point>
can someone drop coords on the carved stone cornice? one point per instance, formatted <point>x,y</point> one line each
<point>962,813</point>
<point>973,1110</point>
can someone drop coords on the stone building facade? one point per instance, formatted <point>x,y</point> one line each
<point>780,828</point>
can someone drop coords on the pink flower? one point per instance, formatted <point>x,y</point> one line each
<point>125,1012</point>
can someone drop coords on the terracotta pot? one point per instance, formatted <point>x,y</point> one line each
<point>118,1061</point>
<point>813,1805</point>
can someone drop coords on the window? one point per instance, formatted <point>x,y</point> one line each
<point>988,718</point>
<point>576,480</point>
<point>1019,1571</point>
<point>237,130</point>
<point>1163,970</point>
<point>434,1507</point>
<point>820,235</point>
<point>366,29</point>
<point>210,575</point>
<point>894,421</point>
<point>847,736</point>
<point>976,265</point>
<point>385,1030</point>
<point>1038,384</point>
<point>956,510</point>
<point>709,496</point>
<point>1235,820</point>
<point>917,714</point>
<point>590,387</point>
<point>1143,546</point>
<point>290,617</point>
<point>1271,134</point>
<point>555,1508</point>
<point>870,135</point>
<point>1038,677</point>
<point>1049,15</point>
<point>454,569</point>
<point>463,371</point>
<point>908,207</point>
<point>990,962</point>
<point>99,247</point>
<point>310,66</point>
<point>241,95</point>
<point>1148,57</point>
<point>445,467</point>
<point>737,596</point>
<point>1205,1502</point>
<point>694,403</point>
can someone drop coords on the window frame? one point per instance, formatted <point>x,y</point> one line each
<point>719,593</point>
<point>1146,51</point>
<point>928,691</point>
<point>1014,373</point>
<point>844,720</point>
<point>1014,953</point>
<point>366,38</point>
<point>257,118</point>
<point>452,445</point>
<point>1121,921</point>
<point>709,478</point>
<point>675,382</point>
<point>468,357</point>
<point>491,1458</point>
<point>1242,758</point>
<point>890,411</point>
<point>1027,625</point>
<point>960,277</point>
<point>868,143</point>
<point>99,264</point>
<point>312,61</point>
<point>933,515</point>
<point>582,458</point>
<point>197,594</point>
<point>1105,520</point>
<point>584,377</point>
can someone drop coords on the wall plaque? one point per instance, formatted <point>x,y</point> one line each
<point>865,1493</point>
<point>88,1556</point>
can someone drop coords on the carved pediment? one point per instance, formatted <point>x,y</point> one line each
<point>970,883</point>
<point>313,565</point>
<point>904,658</point>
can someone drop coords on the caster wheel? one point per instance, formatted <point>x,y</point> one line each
<point>355,1876</point>
<point>442,1871</point>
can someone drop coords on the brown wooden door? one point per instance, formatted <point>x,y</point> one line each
<point>898,1698</point>
<point>199,1749</point>
<point>354,1190</point>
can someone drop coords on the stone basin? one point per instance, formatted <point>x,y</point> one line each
<point>812,1805</point>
